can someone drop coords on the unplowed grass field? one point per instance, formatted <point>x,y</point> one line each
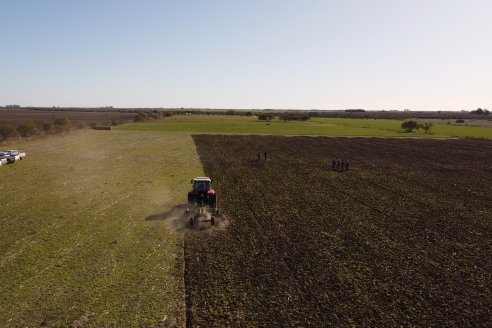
<point>78,246</point>
<point>224,124</point>
<point>401,239</point>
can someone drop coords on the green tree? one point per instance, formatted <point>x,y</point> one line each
<point>265,117</point>
<point>427,126</point>
<point>410,125</point>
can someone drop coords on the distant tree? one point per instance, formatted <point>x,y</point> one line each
<point>48,127</point>
<point>427,126</point>
<point>410,125</point>
<point>141,117</point>
<point>62,124</point>
<point>62,121</point>
<point>294,117</point>
<point>27,129</point>
<point>480,111</point>
<point>265,117</point>
<point>7,132</point>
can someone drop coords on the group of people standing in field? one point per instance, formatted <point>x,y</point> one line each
<point>340,165</point>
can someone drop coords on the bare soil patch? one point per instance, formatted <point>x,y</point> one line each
<point>401,239</point>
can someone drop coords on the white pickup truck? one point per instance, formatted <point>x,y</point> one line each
<point>11,156</point>
<point>7,158</point>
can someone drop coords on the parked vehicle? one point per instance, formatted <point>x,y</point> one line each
<point>9,158</point>
<point>15,152</point>
<point>6,156</point>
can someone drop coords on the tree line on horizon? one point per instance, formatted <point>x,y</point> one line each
<point>34,128</point>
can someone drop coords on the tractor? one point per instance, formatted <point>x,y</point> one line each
<point>202,201</point>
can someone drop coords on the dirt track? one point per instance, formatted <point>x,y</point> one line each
<point>402,238</point>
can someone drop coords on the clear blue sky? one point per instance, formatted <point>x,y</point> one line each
<point>373,54</point>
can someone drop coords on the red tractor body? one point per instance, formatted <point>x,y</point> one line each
<point>204,198</point>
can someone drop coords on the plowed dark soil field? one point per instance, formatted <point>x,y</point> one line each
<point>402,238</point>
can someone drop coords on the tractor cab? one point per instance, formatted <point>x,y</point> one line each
<point>202,193</point>
<point>201,185</point>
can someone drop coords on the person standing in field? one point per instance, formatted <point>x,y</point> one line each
<point>265,154</point>
<point>333,163</point>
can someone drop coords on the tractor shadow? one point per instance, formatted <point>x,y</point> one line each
<point>178,219</point>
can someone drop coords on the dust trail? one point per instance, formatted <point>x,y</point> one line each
<point>179,219</point>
